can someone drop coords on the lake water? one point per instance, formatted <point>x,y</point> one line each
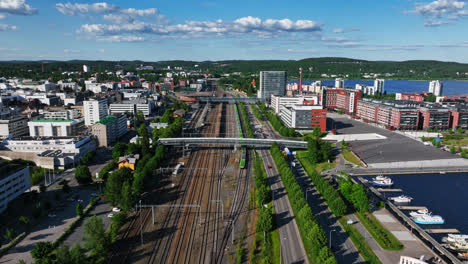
<point>443,194</point>
<point>402,86</point>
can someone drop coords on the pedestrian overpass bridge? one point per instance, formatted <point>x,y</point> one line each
<point>295,144</point>
<point>210,99</point>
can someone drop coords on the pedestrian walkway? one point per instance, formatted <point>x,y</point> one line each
<point>342,246</point>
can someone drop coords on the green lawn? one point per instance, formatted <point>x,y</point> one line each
<point>347,155</point>
<point>318,167</point>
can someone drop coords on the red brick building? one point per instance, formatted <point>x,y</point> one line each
<point>410,97</point>
<point>342,99</point>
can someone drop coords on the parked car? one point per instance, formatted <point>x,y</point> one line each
<point>110,215</point>
<point>94,195</point>
<point>71,199</point>
<point>115,209</point>
<point>51,215</point>
<point>268,166</point>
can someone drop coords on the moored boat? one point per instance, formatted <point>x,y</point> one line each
<point>420,212</point>
<point>382,181</point>
<point>402,199</point>
<point>458,247</point>
<point>429,220</point>
<point>452,238</point>
<point>463,256</point>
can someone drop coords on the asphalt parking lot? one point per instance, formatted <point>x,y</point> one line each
<point>393,149</point>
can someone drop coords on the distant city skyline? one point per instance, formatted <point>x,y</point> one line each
<point>211,30</point>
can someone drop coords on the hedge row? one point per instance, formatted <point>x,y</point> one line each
<point>330,194</point>
<point>262,189</point>
<point>257,113</point>
<point>12,243</point>
<point>313,236</point>
<point>278,125</point>
<point>246,120</point>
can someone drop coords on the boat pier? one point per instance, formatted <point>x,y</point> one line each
<point>414,208</point>
<point>443,231</point>
<point>389,190</point>
<point>415,228</point>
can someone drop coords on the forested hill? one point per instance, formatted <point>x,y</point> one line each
<point>313,68</point>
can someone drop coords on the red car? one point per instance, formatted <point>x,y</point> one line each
<point>268,166</point>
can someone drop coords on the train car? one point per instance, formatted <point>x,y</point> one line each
<point>243,158</point>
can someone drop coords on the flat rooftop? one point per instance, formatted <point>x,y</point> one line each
<point>8,167</point>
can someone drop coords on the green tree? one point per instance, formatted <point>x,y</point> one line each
<point>10,234</point>
<point>114,185</point>
<point>139,118</point>
<point>79,209</point>
<point>317,133</point>
<point>63,255</point>
<point>77,255</point>
<point>453,149</point>
<point>167,117</point>
<point>118,150</point>
<point>265,220</point>
<point>95,239</point>
<point>42,250</point>
<point>83,175</point>
<point>143,140</point>
<point>128,198</point>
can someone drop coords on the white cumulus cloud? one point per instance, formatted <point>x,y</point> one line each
<point>430,23</point>
<point>5,27</point>
<point>16,7</point>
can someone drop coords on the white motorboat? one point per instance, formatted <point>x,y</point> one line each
<point>402,199</point>
<point>429,220</point>
<point>453,238</point>
<point>420,212</point>
<point>382,181</point>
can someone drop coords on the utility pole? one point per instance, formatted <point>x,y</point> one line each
<point>141,226</point>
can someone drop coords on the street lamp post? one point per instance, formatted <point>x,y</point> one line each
<point>141,226</point>
<point>330,238</point>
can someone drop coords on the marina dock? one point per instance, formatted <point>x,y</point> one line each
<point>415,228</point>
<point>443,231</point>
<point>414,208</point>
<point>389,190</point>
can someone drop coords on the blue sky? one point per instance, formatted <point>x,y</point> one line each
<point>218,30</point>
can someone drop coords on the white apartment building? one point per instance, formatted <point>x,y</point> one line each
<point>94,111</point>
<point>14,127</point>
<point>287,101</point>
<point>52,127</point>
<point>339,83</point>
<point>132,106</point>
<point>65,150</point>
<point>61,114</point>
<point>70,85</point>
<point>86,68</point>
<point>435,88</point>
<point>14,180</point>
<point>379,86</point>
<point>44,98</point>
<point>96,87</point>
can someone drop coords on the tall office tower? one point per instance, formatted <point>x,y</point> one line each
<point>435,88</point>
<point>379,86</point>
<point>339,83</point>
<point>95,110</point>
<point>86,68</point>
<point>272,83</point>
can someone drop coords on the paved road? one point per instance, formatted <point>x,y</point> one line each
<point>342,246</point>
<point>292,249</point>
